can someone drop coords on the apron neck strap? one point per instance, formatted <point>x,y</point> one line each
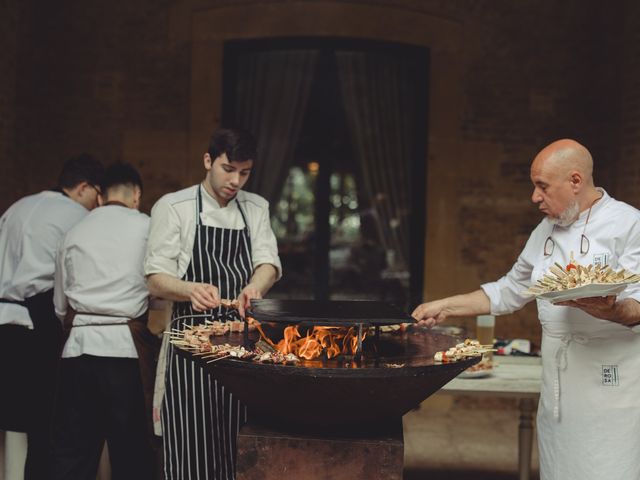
<point>116,202</point>
<point>244,218</point>
<point>199,205</point>
<point>59,190</point>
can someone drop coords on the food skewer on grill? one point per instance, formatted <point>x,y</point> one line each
<point>231,304</point>
<point>196,340</point>
<point>469,348</point>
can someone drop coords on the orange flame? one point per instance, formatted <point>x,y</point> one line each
<point>332,341</point>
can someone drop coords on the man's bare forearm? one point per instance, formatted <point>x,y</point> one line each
<point>264,277</point>
<point>467,304</point>
<point>165,286</point>
<point>627,312</point>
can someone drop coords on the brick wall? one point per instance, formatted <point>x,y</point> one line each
<point>114,79</point>
<point>100,73</point>
<point>11,183</point>
<point>629,163</point>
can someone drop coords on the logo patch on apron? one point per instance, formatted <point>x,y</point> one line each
<point>610,376</point>
<point>600,259</point>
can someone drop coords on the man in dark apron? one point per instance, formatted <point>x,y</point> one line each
<point>30,333</point>
<point>108,361</point>
<point>208,242</point>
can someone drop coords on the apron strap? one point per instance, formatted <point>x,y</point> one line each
<point>116,202</point>
<point>22,303</point>
<point>561,365</point>
<point>148,348</point>
<point>199,205</point>
<point>246,227</point>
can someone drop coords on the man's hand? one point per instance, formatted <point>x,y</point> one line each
<point>467,304</point>
<point>599,307</point>
<point>203,296</point>
<point>244,299</point>
<point>430,314</point>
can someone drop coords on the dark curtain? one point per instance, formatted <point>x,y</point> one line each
<point>379,91</point>
<point>272,89</point>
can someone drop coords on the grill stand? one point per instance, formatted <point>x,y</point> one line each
<point>266,454</point>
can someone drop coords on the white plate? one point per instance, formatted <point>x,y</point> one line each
<point>485,372</point>
<point>585,291</point>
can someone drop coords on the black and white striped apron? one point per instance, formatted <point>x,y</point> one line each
<point>201,418</point>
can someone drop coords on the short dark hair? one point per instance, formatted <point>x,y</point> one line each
<point>82,168</point>
<point>239,145</point>
<point>121,174</point>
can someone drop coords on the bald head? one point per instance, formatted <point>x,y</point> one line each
<point>562,174</point>
<point>563,157</point>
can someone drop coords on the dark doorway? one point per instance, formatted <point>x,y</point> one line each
<point>341,127</point>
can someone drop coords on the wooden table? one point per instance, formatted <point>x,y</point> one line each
<point>515,377</point>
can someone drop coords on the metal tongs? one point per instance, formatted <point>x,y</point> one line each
<point>233,305</point>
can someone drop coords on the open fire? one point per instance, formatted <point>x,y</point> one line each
<point>331,341</point>
<point>317,344</point>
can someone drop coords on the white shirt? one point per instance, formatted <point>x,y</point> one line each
<point>173,228</point>
<point>613,231</point>
<point>30,232</point>
<point>99,270</point>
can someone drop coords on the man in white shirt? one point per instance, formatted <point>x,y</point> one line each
<point>99,290</point>
<point>589,411</point>
<point>208,242</point>
<point>30,334</point>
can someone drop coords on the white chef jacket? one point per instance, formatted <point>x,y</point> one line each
<point>589,410</point>
<point>173,228</point>
<point>30,232</point>
<point>99,270</point>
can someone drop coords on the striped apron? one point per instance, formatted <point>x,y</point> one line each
<point>200,418</point>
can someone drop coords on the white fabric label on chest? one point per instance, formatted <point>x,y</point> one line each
<point>600,259</point>
<point>610,376</point>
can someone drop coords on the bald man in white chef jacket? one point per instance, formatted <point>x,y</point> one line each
<point>589,411</point>
<point>30,334</point>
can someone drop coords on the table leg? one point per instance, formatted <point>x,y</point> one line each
<point>525,438</point>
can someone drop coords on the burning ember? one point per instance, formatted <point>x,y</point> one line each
<point>332,341</point>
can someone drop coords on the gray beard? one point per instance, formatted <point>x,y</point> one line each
<point>568,216</point>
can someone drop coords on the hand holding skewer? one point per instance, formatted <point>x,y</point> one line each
<point>430,314</point>
<point>230,304</point>
<point>203,296</point>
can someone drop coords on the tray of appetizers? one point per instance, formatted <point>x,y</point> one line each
<point>561,284</point>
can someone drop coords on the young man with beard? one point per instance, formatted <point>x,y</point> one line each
<point>208,242</point>
<point>587,425</point>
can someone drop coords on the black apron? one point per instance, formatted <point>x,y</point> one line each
<point>29,362</point>
<point>200,417</point>
<point>147,347</point>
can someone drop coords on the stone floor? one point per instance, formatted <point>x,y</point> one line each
<point>454,438</point>
<point>459,438</point>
